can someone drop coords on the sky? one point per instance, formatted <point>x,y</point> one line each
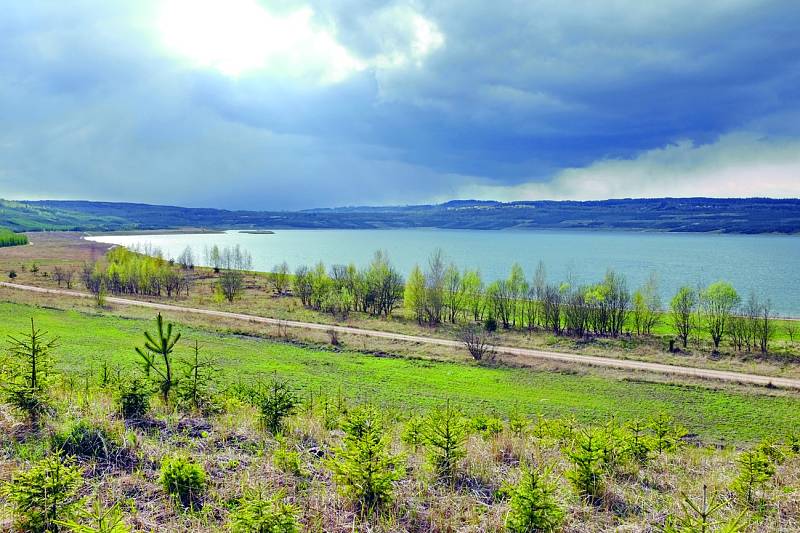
<point>285,104</point>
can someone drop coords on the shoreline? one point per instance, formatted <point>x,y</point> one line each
<point>177,231</point>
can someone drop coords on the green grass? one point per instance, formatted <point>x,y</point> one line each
<point>406,384</point>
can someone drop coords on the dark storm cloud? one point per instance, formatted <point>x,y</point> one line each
<point>449,98</point>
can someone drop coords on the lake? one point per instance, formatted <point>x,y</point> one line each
<point>769,264</point>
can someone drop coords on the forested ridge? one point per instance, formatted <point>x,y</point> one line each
<point>746,216</point>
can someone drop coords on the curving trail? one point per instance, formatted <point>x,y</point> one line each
<point>588,360</point>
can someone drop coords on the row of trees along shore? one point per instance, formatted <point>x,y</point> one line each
<point>145,272</point>
<point>442,293</point>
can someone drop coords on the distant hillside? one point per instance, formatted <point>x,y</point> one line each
<point>35,216</point>
<point>752,215</point>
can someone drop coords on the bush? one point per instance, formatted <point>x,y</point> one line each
<point>477,342</point>
<point>26,387</point>
<point>255,514</point>
<point>33,403</point>
<point>772,450</point>
<point>362,467</point>
<point>86,441</point>
<point>413,432</point>
<point>490,324</point>
<point>99,519</point>
<point>667,434</point>
<point>793,443</point>
<point>487,426</point>
<point>45,493</point>
<point>184,480</point>
<point>755,470</point>
<point>703,516</point>
<point>517,423</point>
<point>197,389</point>
<point>288,461</point>
<point>533,506</point>
<point>638,443</point>
<point>274,404</point>
<point>134,399</point>
<point>446,436</point>
<point>587,455</point>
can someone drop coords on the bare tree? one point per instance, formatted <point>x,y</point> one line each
<point>234,261</point>
<point>434,288</point>
<point>478,342</point>
<point>454,292</point>
<point>551,308</point>
<point>68,277</point>
<point>539,286</point>
<point>766,326</point>
<point>86,274</point>
<point>499,296</point>
<point>58,275</point>
<point>790,327</point>
<point>231,284</point>
<point>739,332</point>
<point>619,299</point>
<point>381,285</point>
<point>576,312</point>
<point>214,258</point>
<point>750,315</point>
<point>186,259</point>
<point>280,279</point>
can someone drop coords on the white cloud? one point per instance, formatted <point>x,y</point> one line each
<point>406,37</point>
<point>239,36</point>
<point>736,165</point>
<point>236,37</point>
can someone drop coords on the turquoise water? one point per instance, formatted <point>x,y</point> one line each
<point>769,264</point>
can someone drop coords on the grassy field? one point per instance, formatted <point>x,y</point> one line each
<point>86,340</point>
<point>245,465</point>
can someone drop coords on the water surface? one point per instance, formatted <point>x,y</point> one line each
<point>769,264</point>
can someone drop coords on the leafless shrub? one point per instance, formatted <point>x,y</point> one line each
<point>791,329</point>
<point>334,336</point>
<point>283,330</point>
<point>479,342</point>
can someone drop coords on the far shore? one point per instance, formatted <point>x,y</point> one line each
<point>177,231</point>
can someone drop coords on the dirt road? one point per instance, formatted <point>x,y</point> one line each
<point>588,360</point>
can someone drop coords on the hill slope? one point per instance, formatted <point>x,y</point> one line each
<point>752,215</point>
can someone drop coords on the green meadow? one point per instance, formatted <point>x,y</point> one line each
<point>715,414</point>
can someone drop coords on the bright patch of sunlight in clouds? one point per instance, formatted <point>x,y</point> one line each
<point>240,36</point>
